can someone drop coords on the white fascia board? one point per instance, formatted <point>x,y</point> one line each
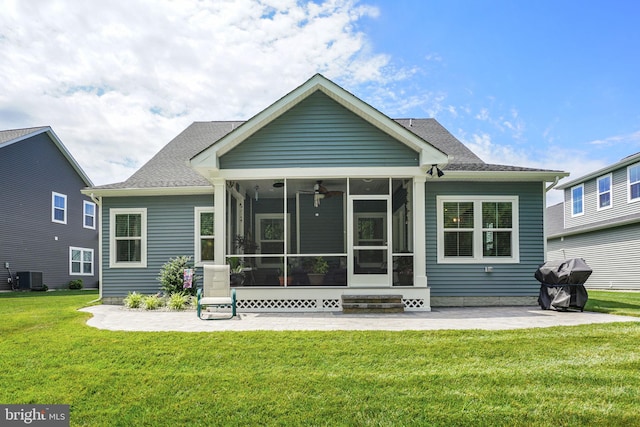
<point>156,191</point>
<point>545,176</point>
<point>428,153</point>
<point>600,172</point>
<point>208,159</point>
<point>294,173</point>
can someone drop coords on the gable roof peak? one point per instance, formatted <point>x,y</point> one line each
<point>13,136</point>
<point>207,159</point>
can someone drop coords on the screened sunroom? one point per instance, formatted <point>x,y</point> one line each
<point>345,232</point>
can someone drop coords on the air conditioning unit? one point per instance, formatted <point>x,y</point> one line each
<point>29,280</point>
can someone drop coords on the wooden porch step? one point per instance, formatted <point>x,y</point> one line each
<point>372,304</point>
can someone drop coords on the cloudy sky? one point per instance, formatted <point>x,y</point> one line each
<point>550,83</point>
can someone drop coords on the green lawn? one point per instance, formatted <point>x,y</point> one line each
<point>583,375</point>
<point>614,302</point>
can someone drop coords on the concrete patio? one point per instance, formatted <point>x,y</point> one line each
<point>118,318</point>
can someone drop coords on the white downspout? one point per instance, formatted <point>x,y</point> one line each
<point>555,182</point>
<point>544,216</point>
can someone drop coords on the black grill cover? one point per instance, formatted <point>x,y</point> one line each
<point>562,284</point>
<point>566,272</point>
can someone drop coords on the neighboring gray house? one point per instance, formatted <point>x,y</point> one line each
<point>46,225</point>
<point>391,206</point>
<point>600,222</point>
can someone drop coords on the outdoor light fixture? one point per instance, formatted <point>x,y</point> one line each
<point>257,188</point>
<point>438,171</point>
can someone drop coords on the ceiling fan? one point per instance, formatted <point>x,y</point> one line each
<point>320,192</point>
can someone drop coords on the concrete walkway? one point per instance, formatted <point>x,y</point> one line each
<point>117,318</point>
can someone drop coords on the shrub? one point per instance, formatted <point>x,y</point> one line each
<point>178,301</point>
<point>75,284</point>
<point>133,300</point>
<point>151,302</point>
<point>171,276</point>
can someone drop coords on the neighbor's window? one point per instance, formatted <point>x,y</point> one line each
<point>604,192</point>
<point>633,173</point>
<point>477,229</point>
<point>80,261</point>
<point>204,238</point>
<point>89,215</point>
<point>577,200</point>
<point>58,208</point>
<point>128,237</point>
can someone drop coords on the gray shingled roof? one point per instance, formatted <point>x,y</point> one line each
<point>554,219</point>
<point>435,134</point>
<point>11,134</point>
<point>169,168</point>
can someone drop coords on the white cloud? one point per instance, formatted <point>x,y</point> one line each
<point>577,162</point>
<point>117,80</point>
<point>632,139</point>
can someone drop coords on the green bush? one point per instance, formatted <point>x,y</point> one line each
<point>178,301</point>
<point>152,302</point>
<point>75,284</point>
<point>171,276</point>
<point>133,300</point>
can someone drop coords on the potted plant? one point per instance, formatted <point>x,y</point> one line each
<point>319,267</point>
<point>245,244</point>
<point>281,278</point>
<point>237,273</point>
<point>404,268</point>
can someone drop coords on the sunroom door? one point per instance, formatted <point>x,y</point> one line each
<point>369,241</point>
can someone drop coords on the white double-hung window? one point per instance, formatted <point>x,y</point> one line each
<point>478,229</point>
<point>80,261</point>
<point>577,200</point>
<point>128,237</point>
<point>59,208</point>
<point>604,192</point>
<point>633,176</point>
<point>88,214</point>
<point>205,234</point>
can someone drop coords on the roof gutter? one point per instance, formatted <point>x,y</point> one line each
<point>553,184</point>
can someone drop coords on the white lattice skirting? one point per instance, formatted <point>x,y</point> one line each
<point>311,305</point>
<point>296,299</point>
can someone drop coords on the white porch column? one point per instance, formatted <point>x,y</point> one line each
<point>219,202</point>
<point>419,232</point>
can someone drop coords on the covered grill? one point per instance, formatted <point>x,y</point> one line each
<point>562,284</point>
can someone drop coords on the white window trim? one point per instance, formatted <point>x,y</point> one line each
<point>53,207</point>
<point>112,238</point>
<point>478,258</point>
<point>82,262</point>
<point>602,208</point>
<point>196,240</point>
<point>629,199</point>
<point>86,203</point>
<point>573,215</point>
<point>287,231</point>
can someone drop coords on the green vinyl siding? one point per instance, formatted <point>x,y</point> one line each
<point>170,233</point>
<point>318,132</point>
<point>455,280</point>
